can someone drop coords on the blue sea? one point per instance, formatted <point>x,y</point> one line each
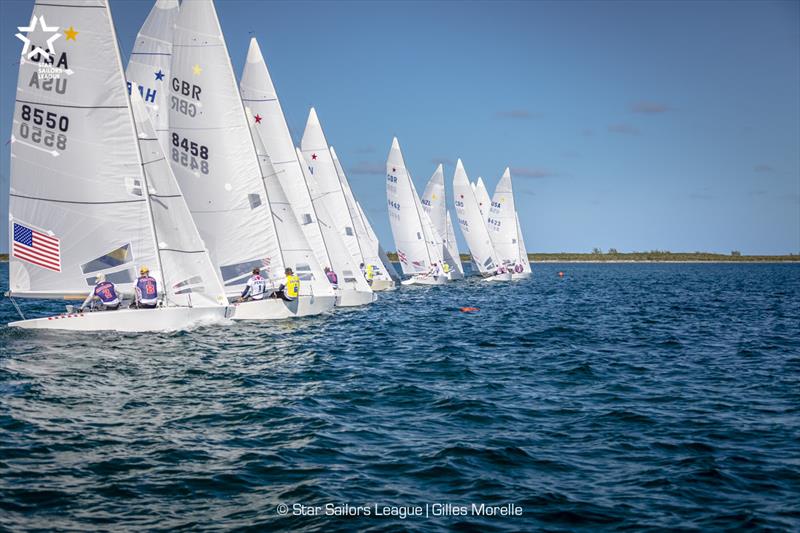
<point>617,397</point>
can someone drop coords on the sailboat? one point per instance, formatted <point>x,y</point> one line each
<point>258,93</point>
<point>148,65</point>
<point>214,157</point>
<point>382,279</point>
<point>474,229</point>
<point>417,248</point>
<point>328,196</point>
<point>435,207</point>
<point>91,192</point>
<point>504,230</point>
<point>293,245</point>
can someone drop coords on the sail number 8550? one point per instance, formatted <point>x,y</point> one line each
<point>186,153</point>
<point>53,124</point>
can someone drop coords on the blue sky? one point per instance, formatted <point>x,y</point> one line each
<point>634,125</point>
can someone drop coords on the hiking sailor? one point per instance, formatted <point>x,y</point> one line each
<point>146,290</point>
<point>105,292</point>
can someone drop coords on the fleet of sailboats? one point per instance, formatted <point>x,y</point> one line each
<point>173,164</point>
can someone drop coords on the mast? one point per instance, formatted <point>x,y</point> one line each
<point>142,173</point>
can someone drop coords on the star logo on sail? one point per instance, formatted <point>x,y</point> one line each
<point>71,34</point>
<point>196,70</point>
<point>313,156</point>
<point>29,50</point>
<point>258,119</point>
<point>159,75</point>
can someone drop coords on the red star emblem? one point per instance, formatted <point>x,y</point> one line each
<point>258,119</point>
<point>313,156</point>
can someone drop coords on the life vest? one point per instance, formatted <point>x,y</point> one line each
<point>446,268</point>
<point>370,272</point>
<point>147,290</point>
<point>292,286</point>
<point>518,268</point>
<point>106,292</point>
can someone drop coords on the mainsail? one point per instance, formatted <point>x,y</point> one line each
<point>482,195</point>
<point>295,250</point>
<point>329,190</point>
<point>78,206</point>
<point>501,220</point>
<point>434,205</point>
<point>148,66</point>
<point>258,93</point>
<point>212,151</point>
<point>472,223</point>
<point>406,216</point>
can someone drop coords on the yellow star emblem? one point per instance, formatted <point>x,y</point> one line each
<point>433,197</point>
<point>197,70</point>
<point>71,33</point>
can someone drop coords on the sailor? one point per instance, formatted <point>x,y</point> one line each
<point>363,270</point>
<point>256,287</point>
<point>446,268</point>
<point>291,289</point>
<point>105,292</point>
<point>332,277</point>
<point>434,270</point>
<point>370,274</point>
<point>146,290</point>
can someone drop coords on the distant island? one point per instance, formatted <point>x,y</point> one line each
<point>612,256</point>
<point>653,256</point>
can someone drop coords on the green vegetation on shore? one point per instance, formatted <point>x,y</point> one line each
<point>616,257</point>
<point>652,256</point>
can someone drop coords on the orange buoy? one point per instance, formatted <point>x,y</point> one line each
<point>469,309</point>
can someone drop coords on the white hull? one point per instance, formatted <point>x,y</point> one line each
<point>383,285</point>
<point>354,298</point>
<point>454,275</point>
<point>425,280</point>
<point>135,320</point>
<point>276,309</point>
<point>523,275</point>
<point>499,277</point>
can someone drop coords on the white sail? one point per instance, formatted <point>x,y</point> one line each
<point>373,238</point>
<point>295,250</point>
<point>212,151</point>
<point>452,245</point>
<point>77,203</point>
<point>434,204</point>
<point>189,277</point>
<point>148,66</point>
<point>339,259</point>
<point>329,190</point>
<point>482,195</point>
<point>369,249</point>
<point>501,221</point>
<point>259,95</point>
<point>406,217</point>
<point>523,252</point>
<point>472,223</point>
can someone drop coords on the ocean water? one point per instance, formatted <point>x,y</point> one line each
<point>619,397</point>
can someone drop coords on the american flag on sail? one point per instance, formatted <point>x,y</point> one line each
<point>36,247</point>
<point>402,257</point>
